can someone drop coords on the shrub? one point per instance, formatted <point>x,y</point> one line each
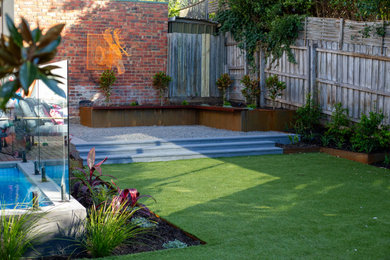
<point>275,88</point>
<point>134,103</point>
<point>143,222</point>
<point>308,120</point>
<point>175,244</point>
<point>251,90</point>
<point>223,83</point>
<point>338,131</point>
<point>106,80</point>
<point>17,234</point>
<point>185,103</point>
<point>369,136</point>
<point>160,83</point>
<point>108,227</point>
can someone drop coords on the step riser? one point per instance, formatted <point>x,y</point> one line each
<point>178,149</point>
<point>125,160</point>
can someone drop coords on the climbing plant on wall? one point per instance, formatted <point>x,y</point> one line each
<point>268,25</point>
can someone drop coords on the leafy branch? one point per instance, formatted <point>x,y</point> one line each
<point>22,55</point>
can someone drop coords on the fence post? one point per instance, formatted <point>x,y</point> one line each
<point>262,77</point>
<point>341,34</point>
<point>313,72</point>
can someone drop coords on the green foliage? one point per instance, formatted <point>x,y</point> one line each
<point>293,139</point>
<point>251,90</point>
<point>227,104</point>
<point>366,10</point>
<point>17,234</point>
<point>22,55</point>
<point>175,244</point>
<point>272,26</point>
<point>308,120</point>
<point>134,103</point>
<point>223,83</point>
<point>185,103</point>
<point>173,8</point>
<point>338,130</point>
<point>369,136</point>
<point>251,106</point>
<point>275,88</point>
<point>373,9</point>
<point>386,161</point>
<point>108,227</point>
<point>106,80</point>
<point>160,83</point>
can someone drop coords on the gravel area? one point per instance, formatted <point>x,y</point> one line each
<point>141,133</point>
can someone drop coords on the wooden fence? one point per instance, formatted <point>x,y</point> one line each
<point>336,62</point>
<point>195,62</point>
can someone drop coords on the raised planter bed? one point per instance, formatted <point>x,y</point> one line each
<point>235,119</point>
<point>357,157</point>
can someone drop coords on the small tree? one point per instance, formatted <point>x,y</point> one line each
<point>251,90</point>
<point>22,55</point>
<point>275,88</point>
<point>161,82</point>
<point>106,80</point>
<point>223,83</point>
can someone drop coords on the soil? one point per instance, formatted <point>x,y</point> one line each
<point>64,248</point>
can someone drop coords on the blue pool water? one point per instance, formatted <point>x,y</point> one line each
<point>55,173</point>
<point>16,190</point>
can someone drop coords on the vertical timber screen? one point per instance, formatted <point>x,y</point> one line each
<point>195,62</point>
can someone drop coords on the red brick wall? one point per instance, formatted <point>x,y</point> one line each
<point>143,31</point>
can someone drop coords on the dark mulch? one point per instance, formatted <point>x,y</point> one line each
<point>381,165</point>
<point>63,248</point>
<point>300,147</point>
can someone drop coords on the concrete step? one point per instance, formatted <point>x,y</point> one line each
<point>152,157</point>
<point>172,147</point>
<point>277,138</point>
<point>166,150</point>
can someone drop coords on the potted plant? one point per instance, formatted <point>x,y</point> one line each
<point>106,80</point>
<point>160,83</point>
<point>251,90</point>
<point>223,83</point>
<point>275,88</point>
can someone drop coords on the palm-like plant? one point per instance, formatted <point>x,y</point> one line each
<point>22,56</point>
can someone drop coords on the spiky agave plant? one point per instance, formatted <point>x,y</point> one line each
<point>22,56</point>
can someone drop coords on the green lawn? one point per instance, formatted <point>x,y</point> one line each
<point>310,206</point>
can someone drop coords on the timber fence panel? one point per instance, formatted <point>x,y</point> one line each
<point>337,61</point>
<point>195,62</point>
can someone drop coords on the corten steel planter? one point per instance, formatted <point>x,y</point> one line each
<point>235,119</point>
<point>357,157</point>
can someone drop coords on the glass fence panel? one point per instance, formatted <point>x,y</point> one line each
<point>34,129</point>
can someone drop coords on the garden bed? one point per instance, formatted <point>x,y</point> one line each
<point>367,158</point>
<point>235,119</point>
<point>64,248</point>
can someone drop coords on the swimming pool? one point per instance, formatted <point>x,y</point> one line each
<point>16,190</point>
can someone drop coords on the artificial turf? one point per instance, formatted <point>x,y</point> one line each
<point>312,206</point>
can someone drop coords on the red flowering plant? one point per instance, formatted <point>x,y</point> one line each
<point>88,183</point>
<point>130,199</point>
